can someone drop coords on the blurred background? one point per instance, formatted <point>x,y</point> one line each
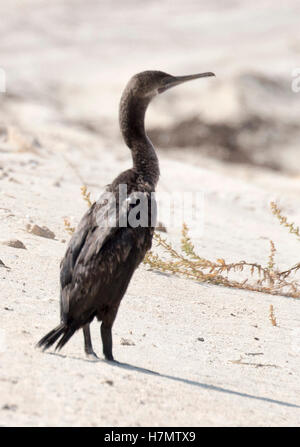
<point>67,62</point>
<point>234,137</point>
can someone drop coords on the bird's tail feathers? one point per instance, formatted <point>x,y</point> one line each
<point>49,339</point>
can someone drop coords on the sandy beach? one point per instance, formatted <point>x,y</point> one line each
<point>190,353</point>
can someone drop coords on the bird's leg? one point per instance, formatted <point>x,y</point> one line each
<point>88,347</point>
<point>106,336</point>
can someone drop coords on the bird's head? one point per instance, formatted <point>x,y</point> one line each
<point>136,97</point>
<point>148,84</point>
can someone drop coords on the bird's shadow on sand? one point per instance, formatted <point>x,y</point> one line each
<point>194,383</point>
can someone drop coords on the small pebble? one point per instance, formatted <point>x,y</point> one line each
<point>127,342</point>
<point>15,243</point>
<point>9,407</point>
<point>40,231</point>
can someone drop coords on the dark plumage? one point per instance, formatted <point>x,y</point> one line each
<point>100,258</point>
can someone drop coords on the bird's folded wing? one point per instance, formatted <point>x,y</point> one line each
<point>100,223</point>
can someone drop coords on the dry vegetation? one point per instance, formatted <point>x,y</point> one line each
<point>267,279</point>
<point>272,316</point>
<point>86,195</point>
<point>187,263</point>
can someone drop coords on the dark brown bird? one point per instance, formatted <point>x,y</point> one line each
<point>116,232</point>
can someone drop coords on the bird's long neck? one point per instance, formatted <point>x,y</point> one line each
<point>132,118</point>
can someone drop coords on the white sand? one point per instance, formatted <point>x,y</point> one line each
<point>168,377</point>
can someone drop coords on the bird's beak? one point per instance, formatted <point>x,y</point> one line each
<point>172,81</point>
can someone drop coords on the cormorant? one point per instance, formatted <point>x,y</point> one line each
<point>103,253</point>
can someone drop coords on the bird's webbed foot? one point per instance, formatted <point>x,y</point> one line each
<point>92,356</point>
<point>109,358</point>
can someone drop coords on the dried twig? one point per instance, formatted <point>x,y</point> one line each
<point>86,195</point>
<point>283,220</point>
<point>189,264</point>
<point>68,227</point>
<point>272,316</point>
